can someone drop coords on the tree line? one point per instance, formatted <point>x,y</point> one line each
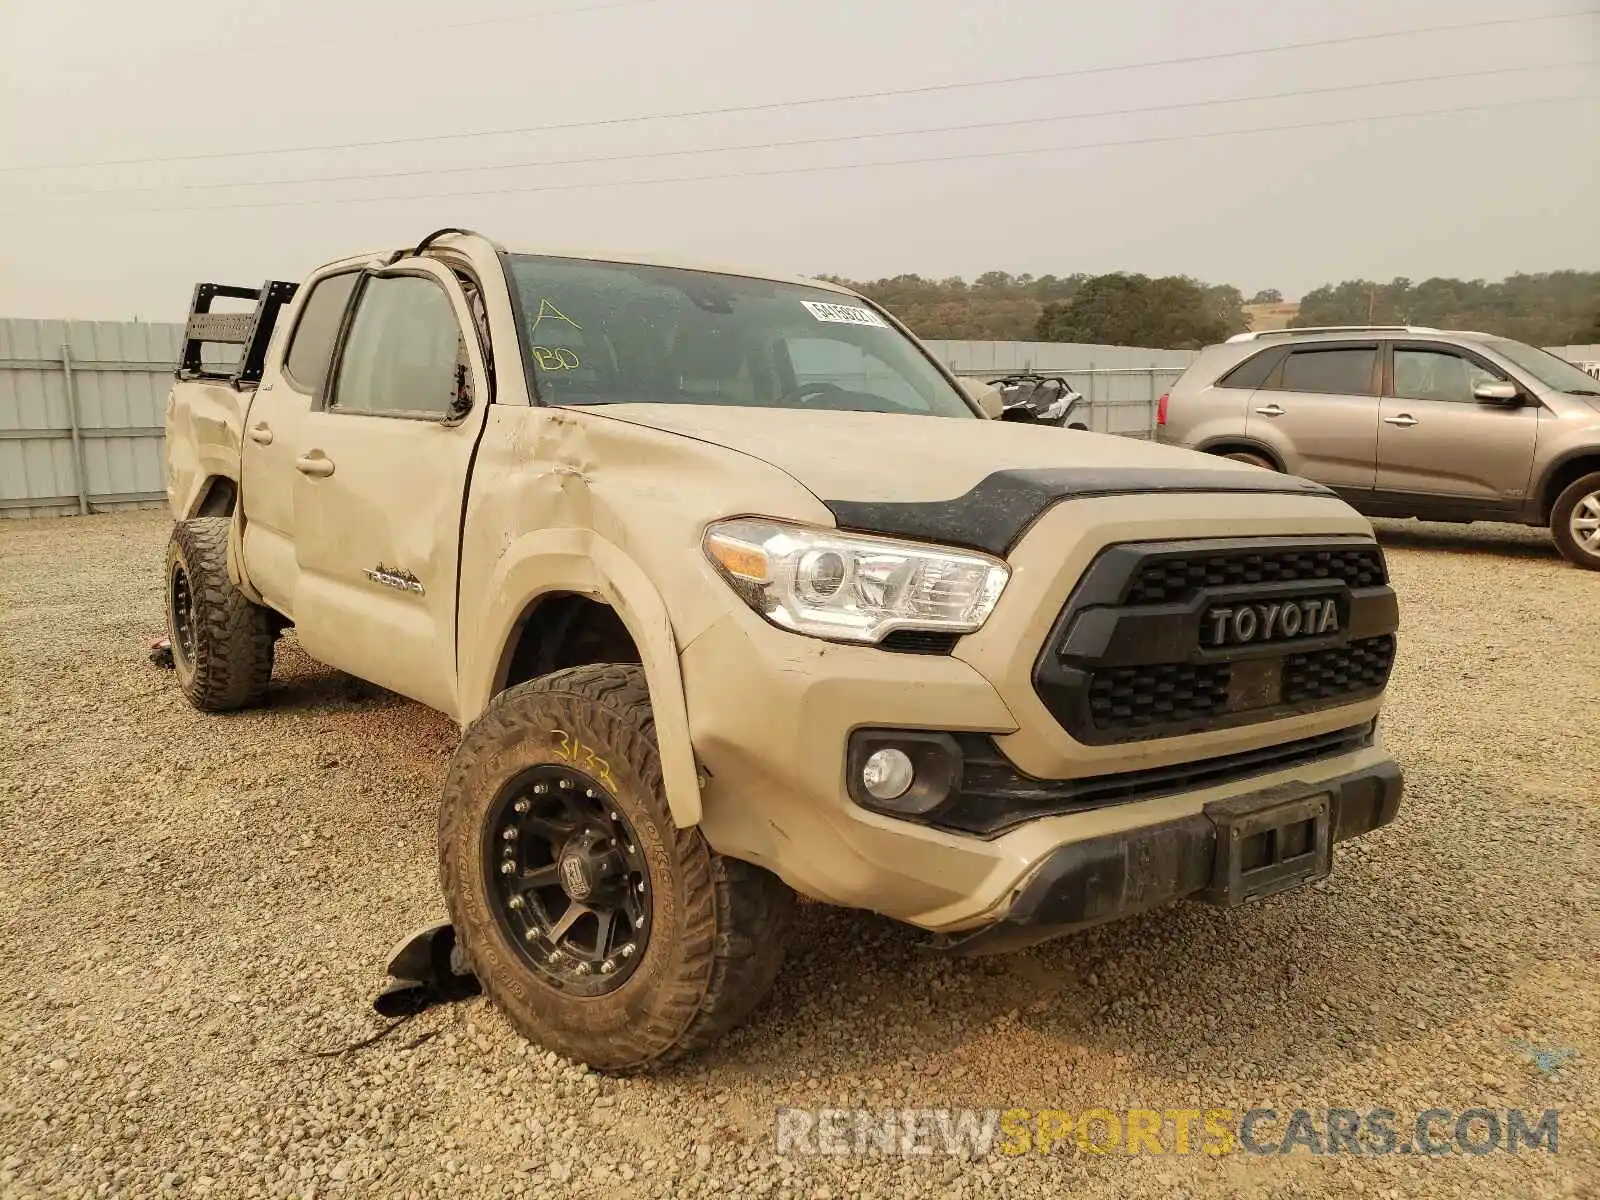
<point>1177,312</point>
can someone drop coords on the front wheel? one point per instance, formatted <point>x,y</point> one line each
<point>1575,522</point>
<point>601,930</point>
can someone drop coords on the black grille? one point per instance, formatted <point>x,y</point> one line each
<point>1174,580</point>
<point>1133,655</point>
<point>919,641</point>
<point>1126,699</point>
<point>1361,666</point>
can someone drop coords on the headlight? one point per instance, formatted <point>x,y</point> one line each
<point>852,588</point>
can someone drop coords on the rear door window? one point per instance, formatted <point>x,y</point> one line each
<point>1341,370</point>
<point>311,346</point>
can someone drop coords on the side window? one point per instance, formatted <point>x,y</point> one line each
<point>1252,373</point>
<point>1344,370</point>
<point>1438,375</point>
<point>311,346</point>
<point>402,352</point>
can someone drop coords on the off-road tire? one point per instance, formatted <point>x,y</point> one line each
<point>717,926</point>
<point>1255,460</point>
<point>1561,521</point>
<point>230,662</point>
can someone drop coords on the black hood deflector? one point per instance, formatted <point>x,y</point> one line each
<point>995,514</point>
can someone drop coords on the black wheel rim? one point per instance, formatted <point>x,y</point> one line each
<point>567,879</point>
<point>183,623</point>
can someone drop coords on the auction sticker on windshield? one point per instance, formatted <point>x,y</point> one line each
<point>844,314</point>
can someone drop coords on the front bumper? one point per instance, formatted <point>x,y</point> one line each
<point>1101,879</point>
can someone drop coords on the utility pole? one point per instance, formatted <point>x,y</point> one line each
<point>1372,301</point>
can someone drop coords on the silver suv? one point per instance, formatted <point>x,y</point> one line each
<point>1405,421</point>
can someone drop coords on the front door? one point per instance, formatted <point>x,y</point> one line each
<point>1440,447</point>
<point>1318,411</point>
<point>272,428</point>
<point>381,476</point>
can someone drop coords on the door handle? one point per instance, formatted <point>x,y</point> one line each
<point>316,464</point>
<point>1405,420</point>
<point>1272,410</point>
<point>261,433</point>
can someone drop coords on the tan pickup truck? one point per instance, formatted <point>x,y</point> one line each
<point>737,593</point>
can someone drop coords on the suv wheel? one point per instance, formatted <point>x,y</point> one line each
<point>221,642</point>
<point>598,928</point>
<point>1255,460</point>
<point>1575,522</point>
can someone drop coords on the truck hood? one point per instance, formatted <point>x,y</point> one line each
<point>973,482</point>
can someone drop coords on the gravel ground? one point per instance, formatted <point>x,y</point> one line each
<point>192,906</point>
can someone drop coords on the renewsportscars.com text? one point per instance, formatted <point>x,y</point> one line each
<point>978,1133</point>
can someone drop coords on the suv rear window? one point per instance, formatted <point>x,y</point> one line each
<point>1346,370</point>
<point>1253,372</point>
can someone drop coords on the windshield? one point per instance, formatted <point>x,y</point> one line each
<point>1549,370</point>
<point>614,333</point>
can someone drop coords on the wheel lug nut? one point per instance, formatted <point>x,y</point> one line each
<point>540,789</point>
<point>532,935</point>
<point>510,835</point>
<point>581,969</point>
<point>607,967</point>
<point>507,867</point>
<point>514,902</point>
<point>589,792</point>
<point>566,783</point>
<point>522,806</point>
<point>627,951</point>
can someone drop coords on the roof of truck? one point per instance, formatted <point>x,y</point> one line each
<point>622,256</point>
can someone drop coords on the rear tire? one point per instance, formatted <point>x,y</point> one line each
<point>1575,522</point>
<point>565,767</point>
<point>1255,460</point>
<point>221,642</point>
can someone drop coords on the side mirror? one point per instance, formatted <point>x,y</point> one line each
<point>1497,393</point>
<point>986,397</point>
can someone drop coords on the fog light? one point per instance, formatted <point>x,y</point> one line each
<point>887,774</point>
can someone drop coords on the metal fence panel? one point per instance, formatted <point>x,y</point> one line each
<point>81,411</point>
<point>81,403</point>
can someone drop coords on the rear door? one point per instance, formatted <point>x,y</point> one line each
<point>1318,411</point>
<point>1441,449</point>
<point>277,410</point>
<point>381,470</point>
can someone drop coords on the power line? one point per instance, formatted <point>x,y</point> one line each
<point>819,141</point>
<point>898,162</point>
<point>548,12</point>
<point>727,110</point>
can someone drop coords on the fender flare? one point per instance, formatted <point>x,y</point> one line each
<point>1544,484</point>
<point>581,561</point>
<point>1248,443</point>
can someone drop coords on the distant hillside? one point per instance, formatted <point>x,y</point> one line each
<point>1547,309</point>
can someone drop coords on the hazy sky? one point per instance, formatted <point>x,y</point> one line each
<point>1505,178</point>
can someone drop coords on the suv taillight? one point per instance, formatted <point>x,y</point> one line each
<point>1161,409</point>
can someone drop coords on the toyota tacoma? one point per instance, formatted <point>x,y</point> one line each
<point>738,594</point>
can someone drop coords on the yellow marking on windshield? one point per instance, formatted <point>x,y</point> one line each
<point>557,359</point>
<point>546,309</point>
